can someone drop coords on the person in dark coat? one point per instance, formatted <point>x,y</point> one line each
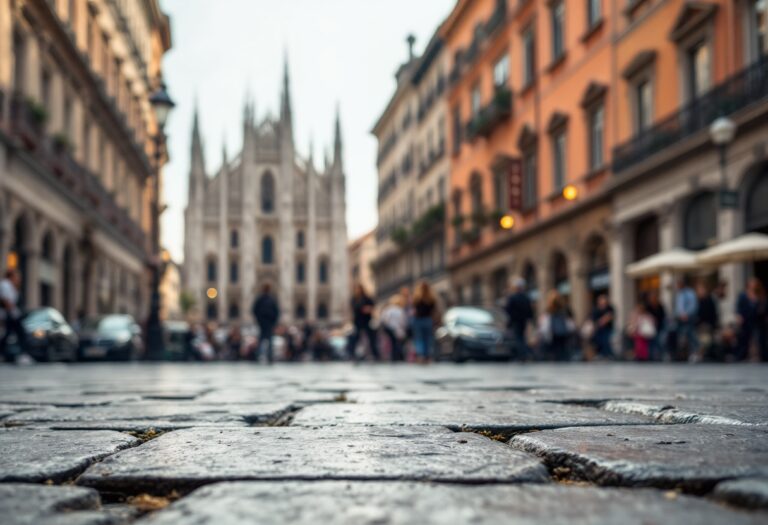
<point>519,313</point>
<point>266,311</point>
<point>658,344</point>
<point>603,316</point>
<point>751,312</point>
<point>362,314</point>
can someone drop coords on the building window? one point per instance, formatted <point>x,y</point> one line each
<point>501,190</point>
<point>19,64</point>
<point>45,88</point>
<point>699,70</point>
<point>643,105</point>
<point>557,13</point>
<point>234,239</point>
<point>457,138</point>
<point>530,191</point>
<point>596,119</point>
<point>323,271</point>
<point>300,272</point>
<point>267,193</point>
<point>300,239</point>
<point>529,56</point>
<point>457,217</point>
<point>594,13</point>
<point>477,290</point>
<point>67,124</point>
<point>757,30</point>
<point>211,311</point>
<point>234,311</point>
<point>476,195</point>
<point>211,271</point>
<point>322,311</point>
<point>558,160</point>
<point>501,72</point>
<point>301,311</point>
<point>475,100</point>
<point>234,274</point>
<point>701,221</point>
<point>267,251</point>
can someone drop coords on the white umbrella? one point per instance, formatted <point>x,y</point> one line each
<point>674,260</point>
<point>746,248</point>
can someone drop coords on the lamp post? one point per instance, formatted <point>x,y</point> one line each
<point>162,106</point>
<point>722,131</point>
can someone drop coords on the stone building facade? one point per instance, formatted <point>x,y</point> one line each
<point>267,216</point>
<point>76,132</point>
<point>413,176</point>
<point>362,254</point>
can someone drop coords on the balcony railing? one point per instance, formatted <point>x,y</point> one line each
<point>743,89</point>
<point>486,120</point>
<point>27,126</point>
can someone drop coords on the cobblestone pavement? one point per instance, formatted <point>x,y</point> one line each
<point>228,444</point>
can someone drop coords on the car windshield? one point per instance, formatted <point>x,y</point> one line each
<point>474,317</point>
<point>112,323</point>
<point>37,319</point>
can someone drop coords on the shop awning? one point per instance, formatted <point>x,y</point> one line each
<point>674,260</point>
<point>746,248</point>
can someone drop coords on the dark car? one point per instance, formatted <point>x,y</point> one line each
<point>114,337</point>
<point>473,333</point>
<point>48,336</point>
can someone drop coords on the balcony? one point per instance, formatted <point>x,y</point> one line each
<point>26,128</point>
<point>740,91</point>
<point>486,120</point>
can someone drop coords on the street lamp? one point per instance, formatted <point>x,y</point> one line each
<point>162,105</point>
<point>722,131</point>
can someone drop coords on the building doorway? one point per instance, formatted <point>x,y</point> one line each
<point>757,216</point>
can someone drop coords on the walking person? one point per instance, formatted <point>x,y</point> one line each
<point>395,322</point>
<point>707,324</point>
<point>603,317</point>
<point>9,308</point>
<point>234,342</point>
<point>642,328</point>
<point>751,312</point>
<point>424,312</point>
<point>653,306</point>
<point>686,309</point>
<point>362,314</point>
<point>266,311</point>
<point>556,327</point>
<point>519,313</point>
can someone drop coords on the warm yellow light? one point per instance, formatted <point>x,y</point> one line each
<point>507,222</point>
<point>212,293</point>
<point>570,192</point>
<point>12,261</point>
<point>166,256</point>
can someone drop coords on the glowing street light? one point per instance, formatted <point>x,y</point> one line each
<point>507,222</point>
<point>570,192</point>
<point>212,293</point>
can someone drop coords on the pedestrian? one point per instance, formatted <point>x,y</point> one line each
<point>556,327</point>
<point>707,324</point>
<point>362,314</point>
<point>642,329</point>
<point>234,342</point>
<point>266,311</point>
<point>424,313</point>
<point>603,316</point>
<point>751,312</point>
<point>686,309</point>
<point>653,306</point>
<point>394,322</point>
<point>10,311</point>
<point>519,313</point>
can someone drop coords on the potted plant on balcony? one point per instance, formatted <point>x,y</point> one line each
<point>400,236</point>
<point>38,115</point>
<point>457,221</point>
<point>61,143</point>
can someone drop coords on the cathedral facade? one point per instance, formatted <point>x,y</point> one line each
<point>267,216</point>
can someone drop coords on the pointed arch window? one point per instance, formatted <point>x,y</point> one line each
<point>323,271</point>
<point>267,250</point>
<point>211,270</point>
<point>267,193</point>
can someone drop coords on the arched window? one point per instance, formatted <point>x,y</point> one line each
<point>323,271</point>
<point>234,311</point>
<point>458,218</point>
<point>300,272</point>
<point>234,272</point>
<point>300,239</point>
<point>234,239</point>
<point>531,284</point>
<point>267,251</point>
<point>47,270</point>
<point>701,221</point>
<point>301,311</point>
<point>267,193</point>
<point>598,276</point>
<point>67,280</point>
<point>211,270</point>
<point>212,311</point>
<point>560,273</point>
<point>646,238</point>
<point>322,311</point>
<point>47,247</point>
<point>476,191</point>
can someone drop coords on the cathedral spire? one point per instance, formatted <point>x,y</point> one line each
<point>311,154</point>
<point>197,166</point>
<point>337,146</point>
<point>285,107</point>
<point>224,160</point>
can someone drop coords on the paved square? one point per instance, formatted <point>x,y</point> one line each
<point>231,443</point>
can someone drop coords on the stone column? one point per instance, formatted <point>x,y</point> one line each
<point>32,299</point>
<point>620,254</point>
<point>728,227</point>
<point>577,276</point>
<point>668,239</point>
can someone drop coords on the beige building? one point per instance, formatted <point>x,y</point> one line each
<point>75,143</point>
<point>362,253</point>
<point>413,173</point>
<point>170,291</point>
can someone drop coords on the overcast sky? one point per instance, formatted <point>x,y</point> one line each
<point>343,51</point>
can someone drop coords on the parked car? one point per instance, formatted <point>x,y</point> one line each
<point>473,333</point>
<point>48,336</point>
<point>111,337</point>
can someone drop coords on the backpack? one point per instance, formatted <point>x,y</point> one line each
<point>559,325</point>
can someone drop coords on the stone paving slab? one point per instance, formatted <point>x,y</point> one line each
<point>749,493</point>
<point>724,412</point>
<point>26,504</point>
<point>63,398</point>
<point>499,417</point>
<point>161,415</point>
<point>692,457</point>
<point>425,504</point>
<point>36,455</point>
<point>189,458</point>
<point>249,396</point>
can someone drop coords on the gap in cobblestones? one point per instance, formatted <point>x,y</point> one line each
<point>282,420</point>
